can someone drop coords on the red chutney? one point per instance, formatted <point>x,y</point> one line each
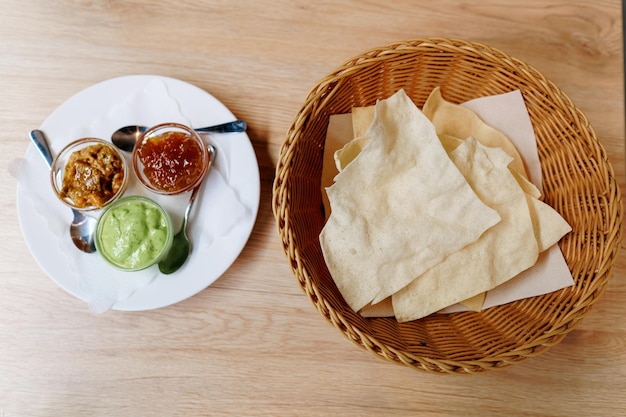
<point>172,161</point>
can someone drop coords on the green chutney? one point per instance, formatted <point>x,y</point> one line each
<point>133,233</point>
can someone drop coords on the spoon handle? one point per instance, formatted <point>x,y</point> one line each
<point>40,142</point>
<point>230,127</point>
<point>194,193</point>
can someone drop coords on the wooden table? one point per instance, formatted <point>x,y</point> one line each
<point>252,344</point>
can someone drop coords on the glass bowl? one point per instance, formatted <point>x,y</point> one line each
<point>89,174</point>
<point>170,158</point>
<point>134,233</point>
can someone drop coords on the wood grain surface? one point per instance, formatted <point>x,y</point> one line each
<point>252,344</point>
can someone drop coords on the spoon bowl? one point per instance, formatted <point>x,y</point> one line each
<point>83,227</point>
<point>181,246</point>
<point>126,137</point>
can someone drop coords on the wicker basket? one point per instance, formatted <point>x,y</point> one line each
<point>578,182</point>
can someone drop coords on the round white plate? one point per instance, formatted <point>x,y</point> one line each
<point>221,221</point>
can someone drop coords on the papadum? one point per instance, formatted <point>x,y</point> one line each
<point>399,208</point>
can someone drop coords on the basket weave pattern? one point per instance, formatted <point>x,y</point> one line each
<point>578,182</point>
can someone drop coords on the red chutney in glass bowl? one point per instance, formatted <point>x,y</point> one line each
<point>170,158</point>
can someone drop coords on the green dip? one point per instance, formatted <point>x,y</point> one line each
<point>133,233</point>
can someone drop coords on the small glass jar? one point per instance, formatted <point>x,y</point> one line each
<point>89,174</point>
<point>170,158</point>
<point>134,233</point>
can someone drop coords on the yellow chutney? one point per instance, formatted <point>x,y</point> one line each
<point>133,233</point>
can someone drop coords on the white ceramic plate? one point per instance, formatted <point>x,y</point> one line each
<point>221,221</point>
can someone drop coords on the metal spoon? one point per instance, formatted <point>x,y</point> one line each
<point>125,137</point>
<point>181,247</point>
<point>83,227</point>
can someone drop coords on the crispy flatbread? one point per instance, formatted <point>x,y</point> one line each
<point>546,225</point>
<point>502,252</point>
<point>361,120</point>
<point>349,151</point>
<point>391,213</point>
<point>461,122</point>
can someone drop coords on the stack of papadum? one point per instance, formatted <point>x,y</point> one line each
<point>430,208</point>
